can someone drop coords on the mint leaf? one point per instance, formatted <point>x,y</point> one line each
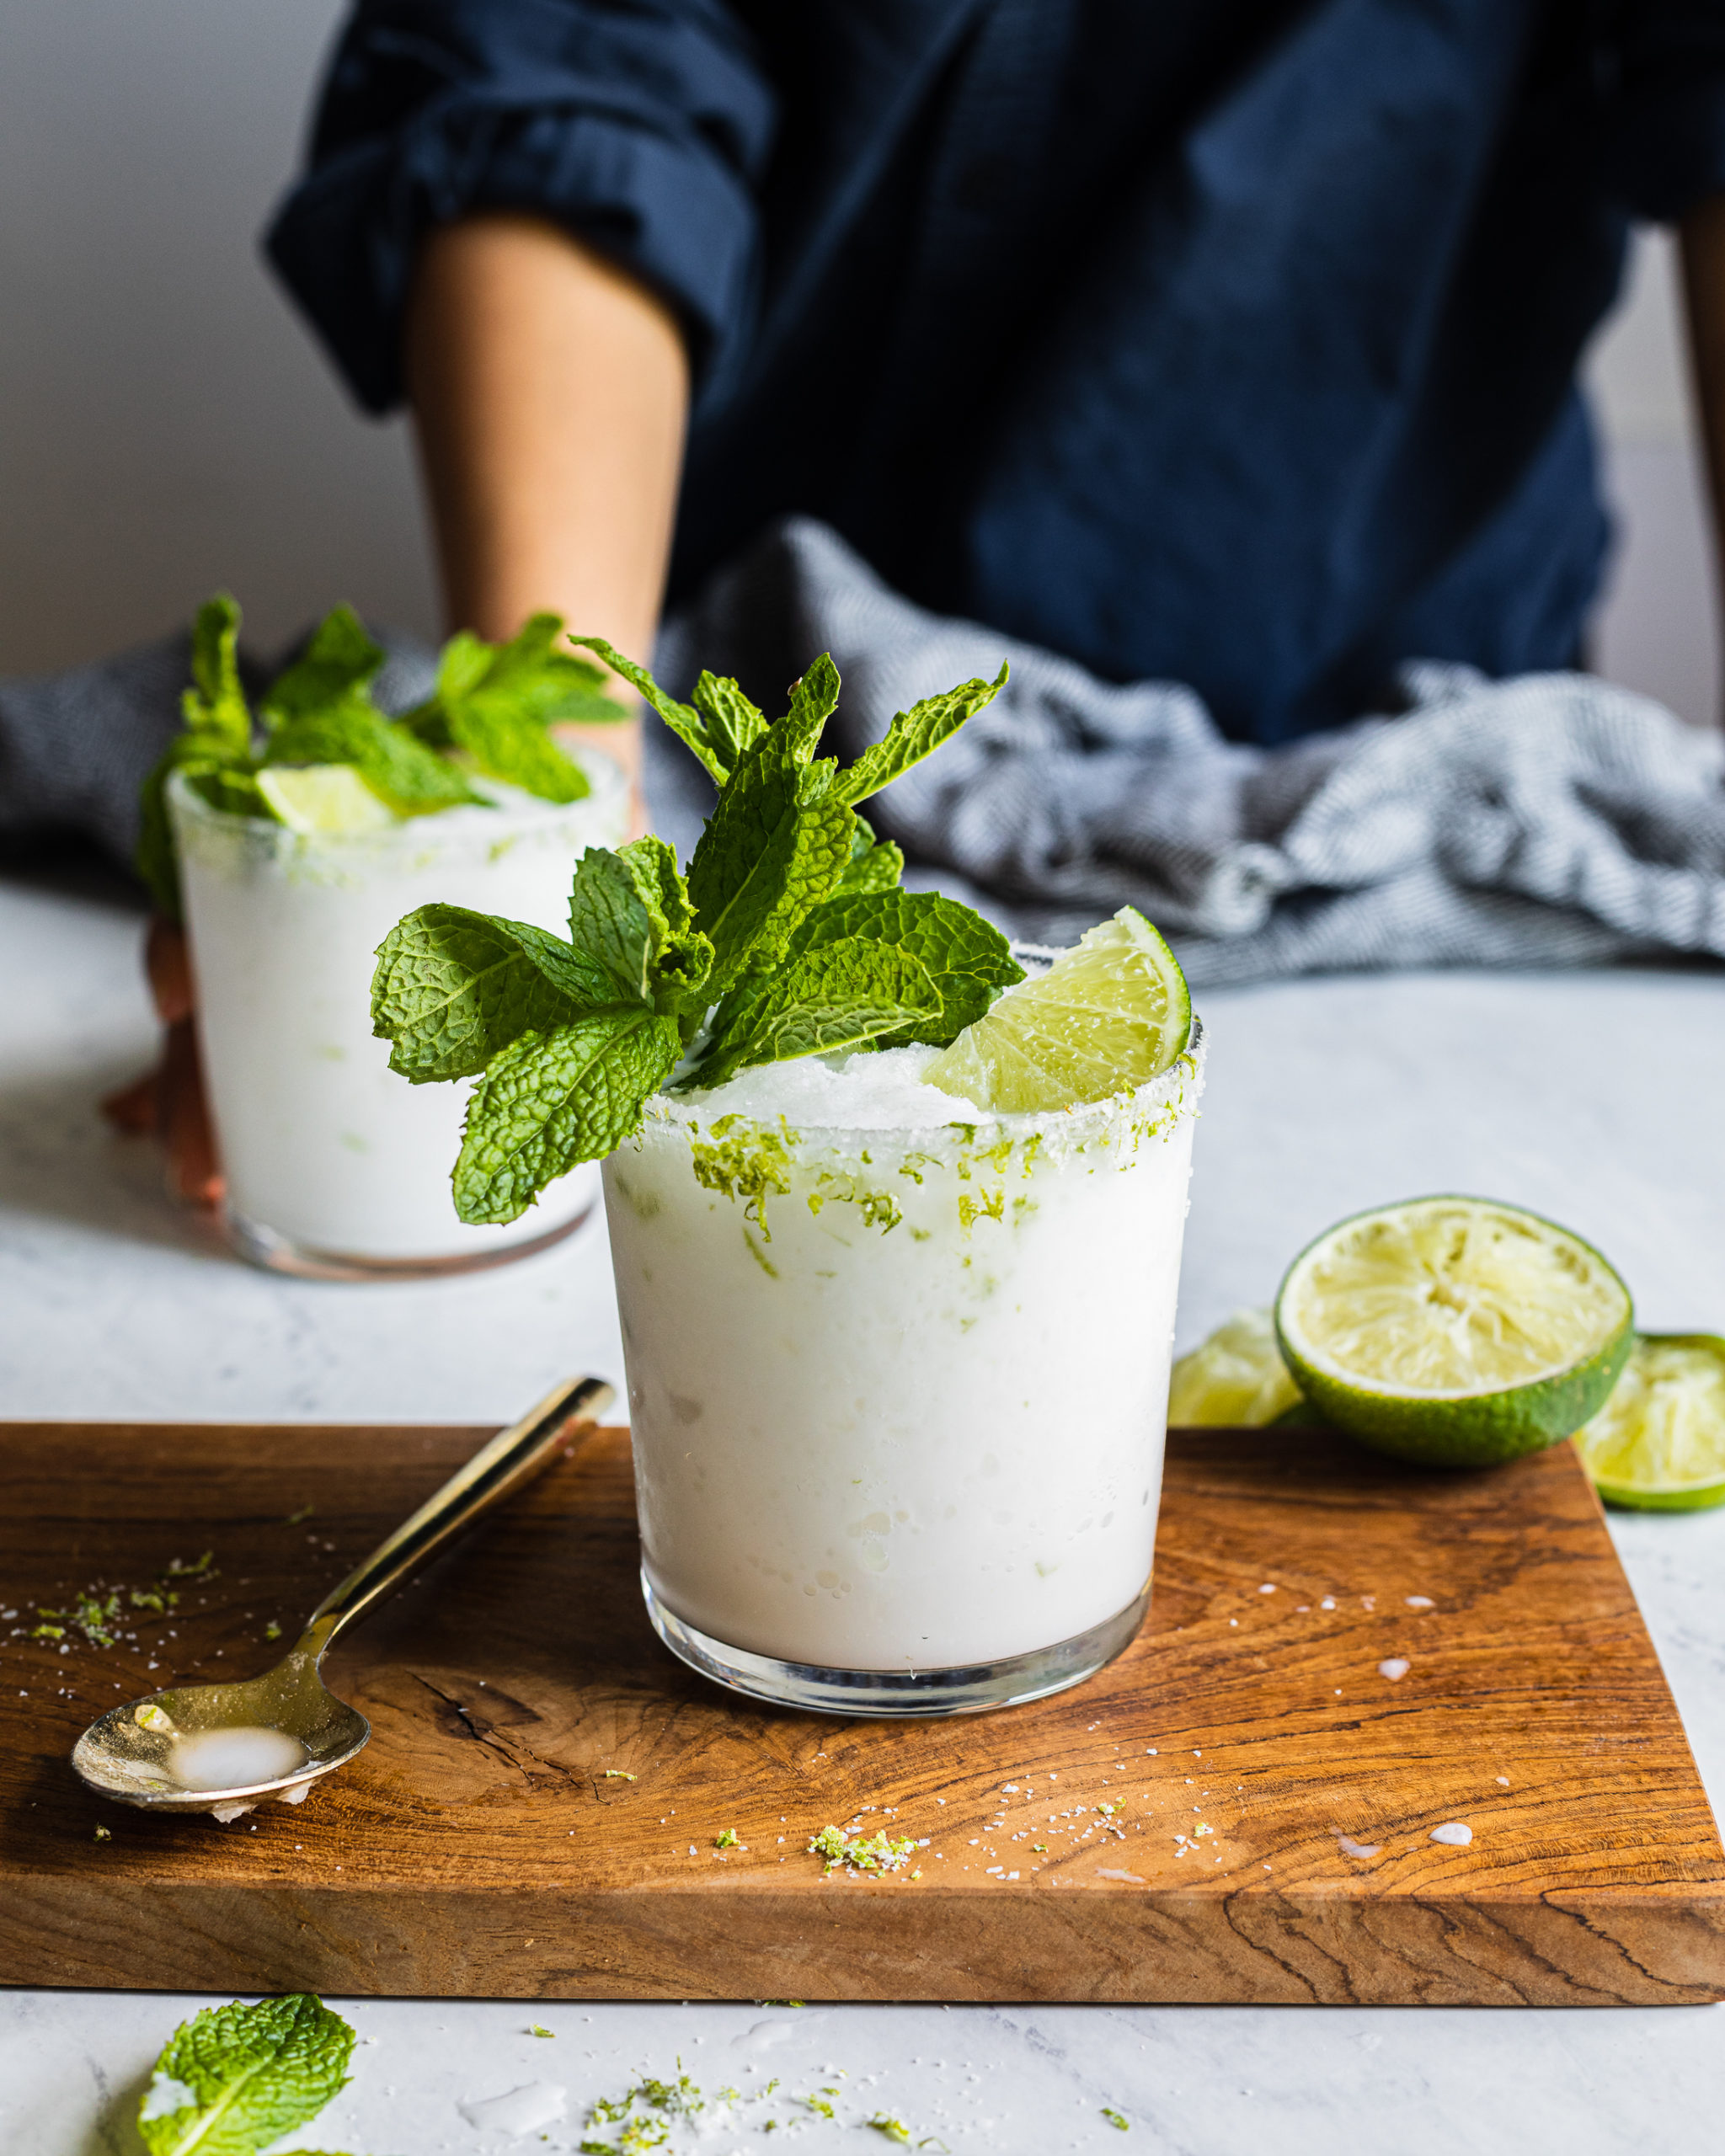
<point>841,994</point>
<point>914,734</point>
<point>874,865</point>
<point>404,775</point>
<point>452,988</point>
<point>552,1099</point>
<point>231,787</point>
<point>320,711</point>
<point>968,961</point>
<point>214,708</point>
<point>689,726</point>
<point>218,732</point>
<point>330,674</point>
<point>251,2074</point>
<point>733,723</point>
<point>495,701</point>
<point>768,854</point>
<point>629,913</point>
<point>814,700</point>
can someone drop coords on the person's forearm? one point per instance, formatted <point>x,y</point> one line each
<point>549,393</point>
<point>1704,279</point>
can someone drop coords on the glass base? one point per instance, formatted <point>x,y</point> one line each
<point>279,1253</point>
<point>972,1689</point>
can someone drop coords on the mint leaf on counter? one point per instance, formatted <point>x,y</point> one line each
<point>234,2079</point>
<point>550,1100</point>
<point>452,988</point>
<point>917,734</point>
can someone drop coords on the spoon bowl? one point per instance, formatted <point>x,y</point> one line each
<point>226,1748</point>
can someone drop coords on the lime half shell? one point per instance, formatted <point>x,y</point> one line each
<point>1456,1331</point>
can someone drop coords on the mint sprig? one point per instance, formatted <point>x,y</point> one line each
<point>487,716</point>
<point>494,702</point>
<point>788,936</point>
<point>234,2079</point>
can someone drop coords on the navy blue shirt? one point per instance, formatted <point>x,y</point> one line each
<point>1232,341</point>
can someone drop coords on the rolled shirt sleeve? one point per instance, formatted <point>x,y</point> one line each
<point>1668,57</point>
<point>642,126</point>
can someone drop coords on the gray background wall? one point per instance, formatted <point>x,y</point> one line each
<point>167,427</point>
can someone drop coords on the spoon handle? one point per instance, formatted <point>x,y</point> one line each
<point>513,1457</point>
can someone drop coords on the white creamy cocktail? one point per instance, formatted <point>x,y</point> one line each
<point>898,1376</point>
<point>333,1165</point>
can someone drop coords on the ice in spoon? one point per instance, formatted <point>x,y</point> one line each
<point>225,1747</point>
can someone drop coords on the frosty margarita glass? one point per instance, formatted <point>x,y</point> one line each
<point>898,1374</point>
<point>334,1168</point>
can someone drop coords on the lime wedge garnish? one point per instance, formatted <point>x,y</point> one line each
<point>1453,1330</point>
<point>1236,1380</point>
<point>1108,1016</point>
<point>1659,1443</point>
<point>331,799</point>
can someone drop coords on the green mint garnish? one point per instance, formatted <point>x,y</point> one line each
<point>488,716</point>
<point>494,702</point>
<point>235,2078</point>
<point>218,736</point>
<point>787,937</point>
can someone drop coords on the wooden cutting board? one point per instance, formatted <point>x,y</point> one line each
<point>536,1813</point>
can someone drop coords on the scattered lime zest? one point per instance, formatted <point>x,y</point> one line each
<point>1117,2120</point>
<point>304,1513</point>
<point>893,2129</point>
<point>102,1834</point>
<point>877,1853</point>
<point>726,1840</point>
<point>535,2030</point>
<point>618,1774</point>
<point>272,1630</point>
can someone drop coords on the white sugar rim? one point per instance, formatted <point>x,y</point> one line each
<point>1166,1089</point>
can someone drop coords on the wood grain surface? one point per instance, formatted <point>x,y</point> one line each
<point>535,1814</point>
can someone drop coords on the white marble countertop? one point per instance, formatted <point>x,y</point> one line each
<point>1598,1097</point>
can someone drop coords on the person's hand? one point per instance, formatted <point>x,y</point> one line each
<point>168,1102</point>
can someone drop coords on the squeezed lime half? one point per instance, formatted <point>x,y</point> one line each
<point>1458,1331</point>
<point>1659,1443</point>
<point>1108,1016</point>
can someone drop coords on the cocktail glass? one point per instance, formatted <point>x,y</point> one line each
<point>898,1396</point>
<point>334,1168</point>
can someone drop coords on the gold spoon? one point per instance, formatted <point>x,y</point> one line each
<point>293,1726</point>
